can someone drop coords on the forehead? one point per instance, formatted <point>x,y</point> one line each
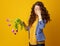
<point>36,6</point>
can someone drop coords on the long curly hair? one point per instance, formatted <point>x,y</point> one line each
<point>44,13</point>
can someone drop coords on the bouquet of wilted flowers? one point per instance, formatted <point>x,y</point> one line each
<point>17,22</point>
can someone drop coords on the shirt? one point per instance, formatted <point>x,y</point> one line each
<point>36,32</point>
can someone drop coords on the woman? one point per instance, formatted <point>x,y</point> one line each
<point>38,19</point>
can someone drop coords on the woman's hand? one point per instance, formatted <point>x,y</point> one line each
<point>38,12</point>
<point>25,26</point>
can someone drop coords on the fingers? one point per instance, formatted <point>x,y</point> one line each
<point>38,12</point>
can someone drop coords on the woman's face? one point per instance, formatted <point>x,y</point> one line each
<point>37,9</point>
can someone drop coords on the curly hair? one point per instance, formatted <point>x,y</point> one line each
<point>44,13</point>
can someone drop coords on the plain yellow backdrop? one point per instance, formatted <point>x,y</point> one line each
<point>21,9</point>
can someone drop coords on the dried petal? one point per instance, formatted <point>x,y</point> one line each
<point>12,30</point>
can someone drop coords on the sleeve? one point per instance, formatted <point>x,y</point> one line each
<point>41,24</point>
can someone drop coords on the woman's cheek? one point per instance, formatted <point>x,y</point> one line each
<point>36,12</point>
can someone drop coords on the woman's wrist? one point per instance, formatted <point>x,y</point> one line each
<point>40,18</point>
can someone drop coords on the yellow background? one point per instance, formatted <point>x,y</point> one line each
<point>21,8</point>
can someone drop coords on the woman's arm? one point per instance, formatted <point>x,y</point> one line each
<point>41,24</point>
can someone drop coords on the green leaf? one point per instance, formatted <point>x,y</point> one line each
<point>17,22</point>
